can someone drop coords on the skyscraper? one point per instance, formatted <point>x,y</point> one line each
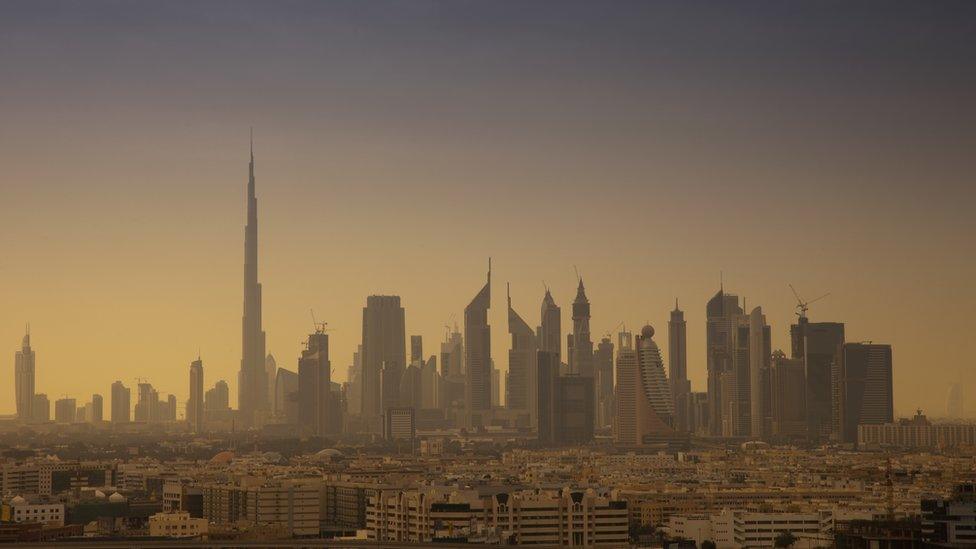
<point>121,403</point>
<point>550,330</point>
<point>252,395</point>
<point>721,319</point>
<point>41,408</point>
<point>286,396</point>
<point>384,355</point>
<point>315,385</point>
<point>955,407</point>
<point>864,377</point>
<point>645,408</point>
<point>271,372</point>
<point>24,378</point>
<point>678,367</point>
<point>522,371</point>
<point>787,396</point>
<point>194,405</point>
<point>759,357</point>
<point>217,398</point>
<point>453,379</point>
<point>603,372</point>
<point>97,409</point>
<point>354,374</point>
<point>581,346</point>
<point>477,337</point>
<point>416,349</point>
<point>65,410</point>
<point>817,344</point>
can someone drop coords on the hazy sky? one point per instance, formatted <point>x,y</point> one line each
<point>400,144</point>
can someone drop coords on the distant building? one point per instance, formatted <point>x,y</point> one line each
<point>580,348</point>
<point>121,403</point>
<point>97,409</point>
<point>550,330</point>
<point>400,424</point>
<point>916,433</point>
<point>862,392</point>
<point>603,379</point>
<point>24,378</point>
<point>177,525</point>
<point>315,385</point>
<point>522,383</point>
<point>217,398</point>
<point>786,392</point>
<point>955,407</point>
<point>721,321</point>
<point>572,410</point>
<point>65,410</point>
<point>678,367</point>
<point>817,344</point>
<point>645,408</point>
<point>286,396</point>
<point>41,408</point>
<point>416,349</point>
<point>477,357</point>
<point>194,405</point>
<point>383,356</point>
<point>760,353</point>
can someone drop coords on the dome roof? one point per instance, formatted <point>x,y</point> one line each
<point>116,498</point>
<point>647,331</point>
<point>328,454</point>
<point>222,458</point>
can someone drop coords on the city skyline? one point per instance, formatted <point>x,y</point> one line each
<point>122,209</point>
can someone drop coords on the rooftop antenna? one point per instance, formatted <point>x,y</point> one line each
<point>578,277</point>
<point>803,306</point>
<point>319,326</point>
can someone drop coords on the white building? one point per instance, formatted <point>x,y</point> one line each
<point>19,509</point>
<point>735,529</point>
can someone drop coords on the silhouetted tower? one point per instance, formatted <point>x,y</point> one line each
<point>194,405</point>
<point>477,339</point>
<point>252,395</point>
<point>24,378</point>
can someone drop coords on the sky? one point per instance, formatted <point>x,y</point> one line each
<point>650,145</point>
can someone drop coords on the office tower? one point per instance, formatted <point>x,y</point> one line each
<point>521,390</point>
<point>40,408</point>
<point>678,367</point>
<point>573,409</point>
<point>496,386</point>
<point>147,403</point>
<point>384,355</point>
<point>217,398</point>
<point>477,357</point>
<point>286,396</point>
<point>645,408</point>
<point>354,393</point>
<point>121,403</point>
<point>170,408</point>
<point>80,414</point>
<point>759,357</point>
<point>271,373</point>
<point>954,401</point>
<point>721,319</point>
<point>550,331</point>
<point>697,413</point>
<point>787,393</point>
<point>453,378</point>
<point>65,410</point>
<point>97,409</point>
<point>817,344</point>
<point>411,388</point>
<point>416,349</point>
<point>547,367</point>
<point>863,375</point>
<point>580,345</point>
<point>430,382</point>
<point>24,378</point>
<point>194,405</point>
<point>315,385</point>
<point>625,418</point>
<point>252,392</point>
<point>603,372</point>
<point>399,423</point>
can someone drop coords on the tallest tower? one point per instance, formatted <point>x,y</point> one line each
<point>252,390</point>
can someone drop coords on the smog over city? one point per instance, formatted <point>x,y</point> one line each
<point>430,273</point>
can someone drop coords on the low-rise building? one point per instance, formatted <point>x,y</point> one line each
<point>176,525</point>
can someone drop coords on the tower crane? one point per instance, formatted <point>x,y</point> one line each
<point>803,306</point>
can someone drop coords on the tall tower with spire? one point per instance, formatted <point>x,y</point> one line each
<point>252,395</point>
<point>581,352</point>
<point>477,351</point>
<point>678,367</point>
<point>522,383</point>
<point>24,378</point>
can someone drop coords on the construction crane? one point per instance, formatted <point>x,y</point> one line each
<point>803,306</point>
<point>320,327</point>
